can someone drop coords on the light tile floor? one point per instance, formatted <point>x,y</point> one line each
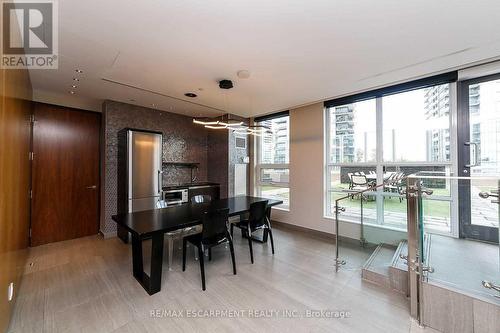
<point>86,285</point>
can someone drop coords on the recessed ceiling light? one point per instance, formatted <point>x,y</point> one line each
<point>190,94</point>
<point>71,92</point>
<point>79,71</point>
<point>75,79</point>
<point>243,74</point>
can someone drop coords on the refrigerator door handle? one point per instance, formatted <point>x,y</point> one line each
<point>159,181</point>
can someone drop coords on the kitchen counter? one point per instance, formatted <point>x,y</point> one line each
<point>188,185</point>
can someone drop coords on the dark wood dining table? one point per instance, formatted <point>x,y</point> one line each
<point>153,224</point>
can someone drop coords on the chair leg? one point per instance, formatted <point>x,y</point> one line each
<point>231,228</point>
<point>184,243</point>
<point>231,248</point>
<point>210,254</point>
<point>170,244</point>
<point>249,236</point>
<point>270,231</point>
<point>202,266</point>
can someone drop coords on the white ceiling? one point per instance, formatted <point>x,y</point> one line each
<point>297,52</point>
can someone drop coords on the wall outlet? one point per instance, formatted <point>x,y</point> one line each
<point>246,159</point>
<point>10,291</point>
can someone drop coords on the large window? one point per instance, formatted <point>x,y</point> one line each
<point>383,139</point>
<point>272,171</point>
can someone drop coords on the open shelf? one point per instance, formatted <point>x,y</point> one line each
<point>182,164</point>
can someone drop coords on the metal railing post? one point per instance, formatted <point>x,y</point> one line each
<point>338,261</point>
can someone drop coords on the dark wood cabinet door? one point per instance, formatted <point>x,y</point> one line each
<point>65,178</point>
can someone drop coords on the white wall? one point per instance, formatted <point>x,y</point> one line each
<point>306,179</point>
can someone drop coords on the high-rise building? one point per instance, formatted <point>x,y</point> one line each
<point>484,105</point>
<point>437,105</point>
<point>275,145</point>
<point>342,144</point>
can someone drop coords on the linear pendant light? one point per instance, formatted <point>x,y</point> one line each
<point>236,126</point>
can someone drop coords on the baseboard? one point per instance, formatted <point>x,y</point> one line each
<point>107,235</point>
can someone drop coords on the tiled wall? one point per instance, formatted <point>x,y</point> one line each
<point>218,155</point>
<point>183,141</point>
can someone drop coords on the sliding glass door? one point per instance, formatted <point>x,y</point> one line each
<point>479,156</point>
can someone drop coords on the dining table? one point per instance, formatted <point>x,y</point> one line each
<point>153,224</point>
<point>373,176</point>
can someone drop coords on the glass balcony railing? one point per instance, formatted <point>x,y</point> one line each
<point>458,229</point>
<point>468,259</point>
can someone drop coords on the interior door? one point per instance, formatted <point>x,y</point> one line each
<point>479,156</point>
<point>65,176</point>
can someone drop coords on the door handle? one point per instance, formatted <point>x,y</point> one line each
<point>91,187</point>
<point>475,154</point>
<point>160,181</point>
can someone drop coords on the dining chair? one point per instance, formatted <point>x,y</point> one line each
<point>178,234</point>
<point>201,198</point>
<point>359,183</point>
<point>214,233</point>
<point>400,182</point>
<point>257,220</point>
<point>349,174</point>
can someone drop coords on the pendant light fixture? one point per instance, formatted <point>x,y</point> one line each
<point>237,126</point>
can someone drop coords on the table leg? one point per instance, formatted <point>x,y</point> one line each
<point>138,266</point>
<point>156,263</point>
<point>151,283</point>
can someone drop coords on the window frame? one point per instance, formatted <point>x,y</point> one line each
<point>259,166</point>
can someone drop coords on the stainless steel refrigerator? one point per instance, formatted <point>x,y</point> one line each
<point>139,171</point>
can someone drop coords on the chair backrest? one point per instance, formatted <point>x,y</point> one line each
<point>391,177</point>
<point>401,176</point>
<point>201,198</point>
<point>214,225</point>
<point>359,180</point>
<point>258,212</point>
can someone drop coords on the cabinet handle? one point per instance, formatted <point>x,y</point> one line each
<point>92,187</point>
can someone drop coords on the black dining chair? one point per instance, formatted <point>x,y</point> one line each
<point>214,233</point>
<point>257,220</point>
<point>201,198</point>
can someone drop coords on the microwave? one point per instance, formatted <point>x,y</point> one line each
<point>175,197</point>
